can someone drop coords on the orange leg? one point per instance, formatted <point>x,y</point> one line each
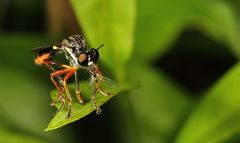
<point>67,76</point>
<point>60,91</point>
<point>98,70</point>
<point>68,71</point>
<point>49,64</point>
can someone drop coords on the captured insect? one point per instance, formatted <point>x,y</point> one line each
<point>79,57</point>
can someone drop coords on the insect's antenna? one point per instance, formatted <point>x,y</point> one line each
<point>100,46</point>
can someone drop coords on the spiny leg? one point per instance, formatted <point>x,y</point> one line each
<point>77,89</point>
<point>103,92</point>
<point>60,90</point>
<point>67,76</point>
<point>58,73</point>
<point>48,63</point>
<point>61,106</point>
<point>96,87</point>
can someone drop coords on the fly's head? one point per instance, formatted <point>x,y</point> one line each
<point>93,55</point>
<point>89,57</point>
<point>92,58</point>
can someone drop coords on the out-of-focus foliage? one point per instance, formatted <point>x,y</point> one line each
<point>160,22</point>
<point>11,137</point>
<point>216,118</point>
<point>111,22</point>
<point>158,115</point>
<point>135,33</point>
<point>23,103</point>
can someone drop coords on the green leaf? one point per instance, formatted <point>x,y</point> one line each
<point>159,105</point>
<point>215,16</point>
<point>78,110</point>
<point>160,23</point>
<point>12,137</point>
<point>24,103</point>
<point>217,117</point>
<point>21,45</point>
<point>109,22</point>
<point>20,96</point>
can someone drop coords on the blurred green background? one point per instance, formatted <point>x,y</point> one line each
<point>181,55</point>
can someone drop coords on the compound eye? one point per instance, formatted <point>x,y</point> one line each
<point>94,55</point>
<point>82,58</point>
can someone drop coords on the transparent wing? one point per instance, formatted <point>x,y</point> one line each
<point>93,94</point>
<point>92,86</point>
<point>105,84</point>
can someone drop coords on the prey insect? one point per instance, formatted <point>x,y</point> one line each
<point>79,57</point>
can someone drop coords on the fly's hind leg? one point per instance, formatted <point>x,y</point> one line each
<point>67,76</point>
<point>60,91</point>
<point>68,71</point>
<point>58,84</point>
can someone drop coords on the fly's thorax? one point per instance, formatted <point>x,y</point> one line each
<point>70,56</point>
<point>76,42</point>
<point>74,46</point>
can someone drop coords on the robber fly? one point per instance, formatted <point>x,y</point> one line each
<point>80,57</point>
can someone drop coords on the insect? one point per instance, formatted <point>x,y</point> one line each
<point>79,57</point>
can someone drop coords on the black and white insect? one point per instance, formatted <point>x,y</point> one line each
<point>79,56</point>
